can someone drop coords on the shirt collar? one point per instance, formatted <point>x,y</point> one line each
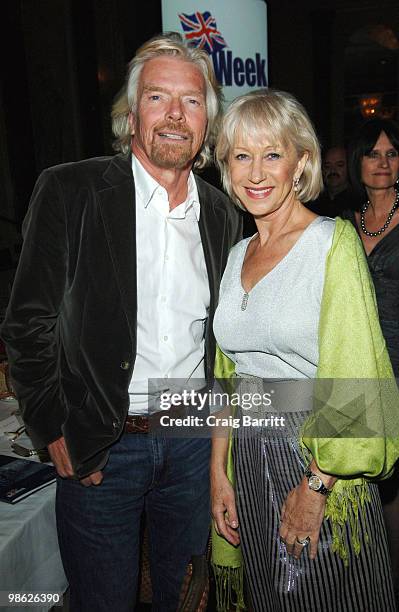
<point>146,187</point>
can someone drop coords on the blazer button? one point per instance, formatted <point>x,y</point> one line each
<point>125,365</point>
<point>115,424</point>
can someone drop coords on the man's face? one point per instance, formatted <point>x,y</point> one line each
<point>335,169</point>
<point>170,124</point>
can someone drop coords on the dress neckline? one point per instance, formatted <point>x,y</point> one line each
<point>381,241</point>
<point>278,264</point>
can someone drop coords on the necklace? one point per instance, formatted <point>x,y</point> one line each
<point>387,222</point>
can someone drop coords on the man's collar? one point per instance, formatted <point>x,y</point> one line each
<point>192,196</point>
<point>146,186</point>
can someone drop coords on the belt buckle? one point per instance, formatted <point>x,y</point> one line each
<point>136,423</point>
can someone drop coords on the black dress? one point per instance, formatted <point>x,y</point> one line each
<point>383,262</point>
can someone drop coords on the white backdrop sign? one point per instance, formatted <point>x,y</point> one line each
<point>233,32</point>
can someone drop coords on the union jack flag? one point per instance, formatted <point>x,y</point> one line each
<point>201,30</point>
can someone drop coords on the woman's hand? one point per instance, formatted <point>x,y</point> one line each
<point>224,507</point>
<point>223,503</point>
<point>301,517</point>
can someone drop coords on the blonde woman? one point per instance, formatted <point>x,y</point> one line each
<point>287,300</point>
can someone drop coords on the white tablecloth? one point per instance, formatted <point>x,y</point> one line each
<point>29,555</point>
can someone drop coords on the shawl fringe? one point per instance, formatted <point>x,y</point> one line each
<point>344,507</point>
<point>229,583</point>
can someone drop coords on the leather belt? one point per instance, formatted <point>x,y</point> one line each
<point>137,423</point>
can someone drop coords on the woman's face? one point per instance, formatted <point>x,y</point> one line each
<point>262,173</point>
<point>380,168</point>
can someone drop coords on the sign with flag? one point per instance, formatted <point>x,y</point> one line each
<point>201,30</point>
<point>232,32</point>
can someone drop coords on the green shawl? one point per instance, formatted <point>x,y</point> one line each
<point>351,346</point>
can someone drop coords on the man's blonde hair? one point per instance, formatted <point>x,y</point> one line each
<point>125,102</point>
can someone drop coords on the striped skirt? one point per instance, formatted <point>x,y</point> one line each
<point>267,467</point>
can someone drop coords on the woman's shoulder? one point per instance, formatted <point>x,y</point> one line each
<point>239,247</point>
<point>346,241</point>
<point>346,230</point>
<point>320,231</point>
<point>324,225</point>
<point>339,229</point>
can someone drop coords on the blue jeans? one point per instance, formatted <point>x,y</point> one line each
<point>99,526</point>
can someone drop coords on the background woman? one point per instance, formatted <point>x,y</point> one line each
<point>374,171</point>
<point>284,313</point>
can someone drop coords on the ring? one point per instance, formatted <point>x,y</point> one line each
<point>303,542</point>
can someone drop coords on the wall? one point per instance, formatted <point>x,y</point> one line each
<point>66,59</point>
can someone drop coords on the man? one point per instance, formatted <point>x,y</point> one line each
<point>337,195</point>
<point>117,283</point>
<point>335,172</point>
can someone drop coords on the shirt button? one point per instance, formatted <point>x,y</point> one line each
<point>125,365</point>
<point>163,298</point>
<point>165,338</point>
<point>166,257</point>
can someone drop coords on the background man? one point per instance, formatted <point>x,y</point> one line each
<point>337,195</point>
<point>117,283</point>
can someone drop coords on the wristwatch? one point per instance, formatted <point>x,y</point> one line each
<point>316,483</point>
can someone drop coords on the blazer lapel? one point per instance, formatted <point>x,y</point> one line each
<point>117,205</point>
<point>212,224</point>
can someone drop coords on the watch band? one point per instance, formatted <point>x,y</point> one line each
<point>316,483</point>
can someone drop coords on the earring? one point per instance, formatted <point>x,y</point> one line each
<point>296,184</point>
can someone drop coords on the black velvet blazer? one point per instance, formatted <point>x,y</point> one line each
<point>70,326</point>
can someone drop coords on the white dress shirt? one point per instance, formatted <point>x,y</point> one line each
<point>172,289</point>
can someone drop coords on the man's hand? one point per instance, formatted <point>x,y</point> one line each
<point>60,457</point>
<point>92,479</point>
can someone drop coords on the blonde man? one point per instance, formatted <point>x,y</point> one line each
<point>117,284</point>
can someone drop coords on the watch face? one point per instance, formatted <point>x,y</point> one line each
<point>315,482</point>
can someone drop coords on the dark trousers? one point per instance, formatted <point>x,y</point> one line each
<point>99,526</point>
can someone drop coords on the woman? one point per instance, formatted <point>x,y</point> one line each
<point>283,314</point>
<point>374,171</point>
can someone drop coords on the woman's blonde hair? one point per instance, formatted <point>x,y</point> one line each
<point>286,122</point>
<point>126,100</point>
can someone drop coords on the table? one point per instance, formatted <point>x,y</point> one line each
<point>29,554</point>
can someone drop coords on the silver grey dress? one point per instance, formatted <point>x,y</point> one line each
<point>276,337</point>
